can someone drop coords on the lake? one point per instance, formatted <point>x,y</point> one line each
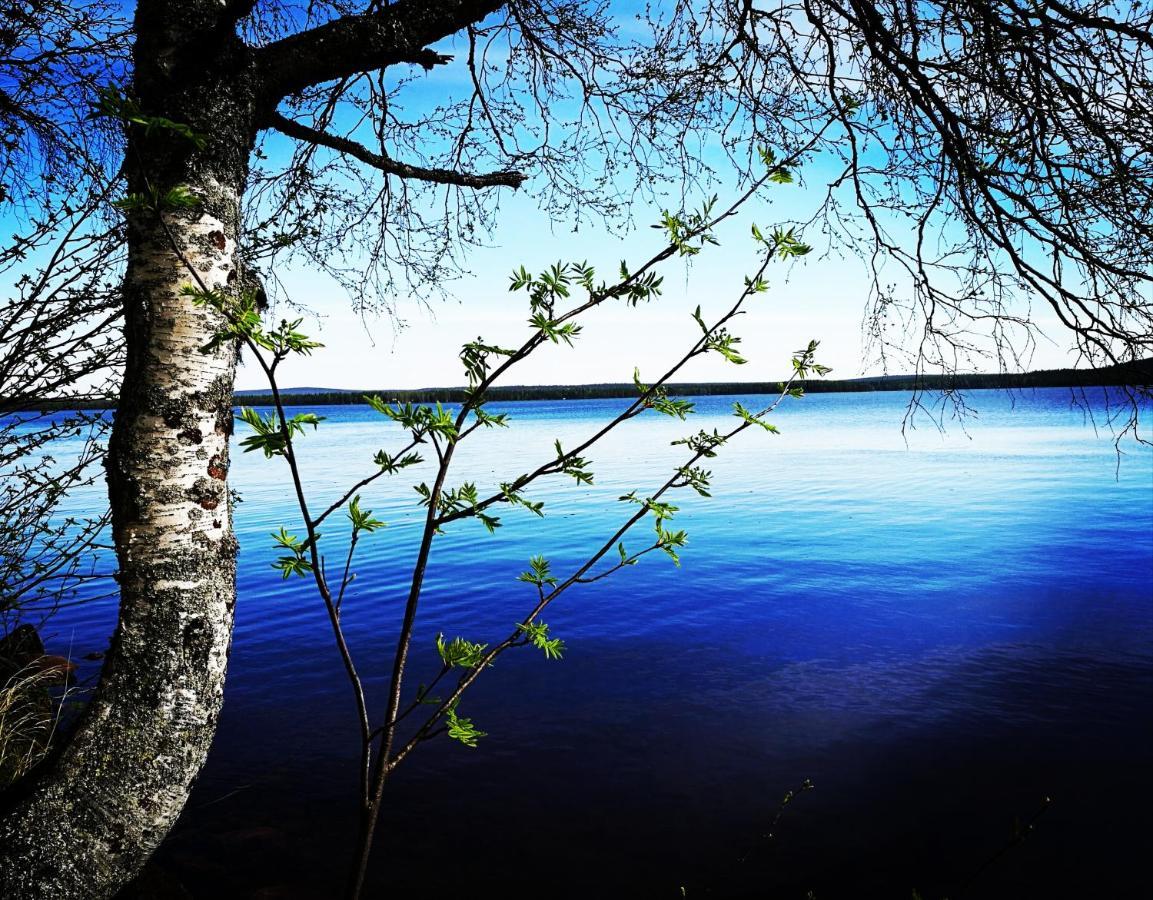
<point>939,629</point>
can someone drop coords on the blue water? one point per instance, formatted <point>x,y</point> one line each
<point>938,628</point>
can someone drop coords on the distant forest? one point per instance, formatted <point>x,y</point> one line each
<point>1134,373</point>
<point>1139,373</point>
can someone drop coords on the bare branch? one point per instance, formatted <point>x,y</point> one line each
<point>398,33</point>
<point>390,166</point>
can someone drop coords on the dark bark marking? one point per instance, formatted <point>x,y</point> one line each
<point>173,416</point>
<point>197,641</point>
<point>217,397</point>
<point>218,468</point>
<point>171,494</point>
<point>192,435</point>
<point>207,492</point>
<point>218,239</point>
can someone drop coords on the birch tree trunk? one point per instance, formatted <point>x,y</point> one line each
<point>91,823</point>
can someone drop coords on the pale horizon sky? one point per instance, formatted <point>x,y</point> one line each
<point>818,297</point>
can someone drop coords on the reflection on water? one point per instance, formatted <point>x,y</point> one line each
<point>938,633</point>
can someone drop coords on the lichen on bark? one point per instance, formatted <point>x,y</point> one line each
<point>88,824</point>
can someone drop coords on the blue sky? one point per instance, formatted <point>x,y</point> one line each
<point>805,302</point>
<point>822,296</point>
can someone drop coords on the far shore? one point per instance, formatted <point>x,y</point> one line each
<point>1133,374</point>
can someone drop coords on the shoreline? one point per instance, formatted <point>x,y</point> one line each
<point>1137,374</point>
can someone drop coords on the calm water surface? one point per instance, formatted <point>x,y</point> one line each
<point>938,629</point>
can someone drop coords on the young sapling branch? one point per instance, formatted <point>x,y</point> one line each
<point>445,430</point>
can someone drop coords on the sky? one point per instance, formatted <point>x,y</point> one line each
<point>823,297</point>
<point>804,302</point>
<point>819,297</point>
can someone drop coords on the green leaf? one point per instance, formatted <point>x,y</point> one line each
<point>670,406</point>
<point>520,279</point>
<point>376,403</point>
<point>296,423</point>
<point>392,464</point>
<point>753,419</point>
<point>459,652</point>
<point>296,564</point>
<point>768,157</point>
<point>696,478</point>
<point>180,197</point>
<point>555,331</point>
<point>803,362</point>
<point>462,730</point>
<point>284,539</point>
<point>489,420</point>
<point>115,104</point>
<point>475,357</point>
<point>574,466</point>
<point>703,443</point>
<point>661,509</point>
<point>514,496</point>
<point>669,541</point>
<point>292,565</point>
<point>134,202</point>
<point>536,633</point>
<point>242,321</point>
<point>722,342</point>
<point>786,244</point>
<point>268,437</point>
<point>362,520</point>
<point>538,573</point>
<point>286,339</point>
<point>490,523</point>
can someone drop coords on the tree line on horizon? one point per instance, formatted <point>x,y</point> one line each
<point>1135,373</point>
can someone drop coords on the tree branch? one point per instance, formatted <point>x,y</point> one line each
<point>235,10</point>
<point>398,33</point>
<point>387,164</point>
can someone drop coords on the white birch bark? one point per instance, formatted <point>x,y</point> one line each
<point>92,823</point>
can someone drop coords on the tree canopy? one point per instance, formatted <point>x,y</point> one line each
<point>989,156</point>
